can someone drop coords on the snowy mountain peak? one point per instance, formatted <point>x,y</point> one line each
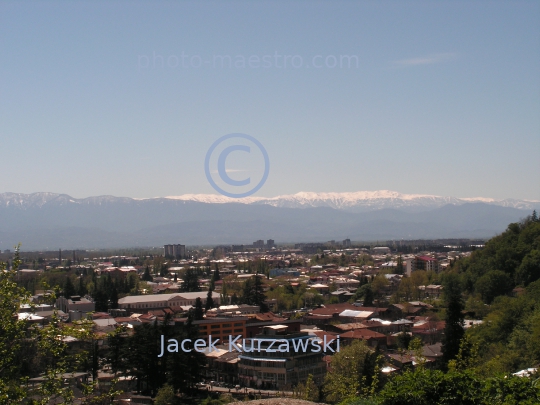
<point>358,201</point>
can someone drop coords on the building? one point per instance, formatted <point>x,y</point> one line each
<point>221,365</point>
<point>258,244</point>
<point>281,370</point>
<point>174,251</point>
<point>426,263</point>
<point>222,328</point>
<point>175,301</point>
<point>310,248</point>
<point>284,272</point>
<point>76,304</point>
<point>241,309</point>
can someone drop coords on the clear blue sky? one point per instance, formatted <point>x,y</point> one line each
<point>445,98</point>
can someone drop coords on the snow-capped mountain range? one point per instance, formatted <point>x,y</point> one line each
<point>358,201</point>
<point>52,221</point>
<point>349,201</point>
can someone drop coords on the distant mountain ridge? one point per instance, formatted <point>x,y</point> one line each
<point>52,221</point>
<point>349,201</point>
<point>360,200</point>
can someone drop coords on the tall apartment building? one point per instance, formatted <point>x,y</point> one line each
<point>258,244</point>
<point>174,251</point>
<point>426,263</point>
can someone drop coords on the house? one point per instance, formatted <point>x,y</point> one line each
<point>373,339</point>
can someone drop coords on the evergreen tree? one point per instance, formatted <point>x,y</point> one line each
<point>69,288</point>
<point>82,287</point>
<point>147,276</point>
<point>209,301</point>
<point>399,267</point>
<point>190,280</point>
<point>101,301</point>
<point>368,296</point>
<point>198,312</point>
<point>114,297</point>
<point>453,330</point>
<point>253,293</point>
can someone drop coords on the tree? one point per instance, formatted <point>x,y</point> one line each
<point>147,276</point>
<point>369,296</point>
<point>69,288</point>
<point>253,293</point>
<point>165,395</point>
<point>209,301</point>
<point>346,376</point>
<point>493,284</point>
<point>529,269</point>
<point>27,351</point>
<point>101,300</point>
<point>190,280</point>
<point>198,312</point>
<point>399,267</point>
<point>453,330</point>
<point>82,291</point>
<point>114,297</point>
<point>308,391</point>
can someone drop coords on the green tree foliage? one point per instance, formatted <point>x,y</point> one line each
<point>308,391</point>
<point>209,300</point>
<point>69,288</point>
<point>253,293</point>
<point>165,396</point>
<point>27,351</point>
<point>514,253</point>
<point>137,355</point>
<point>529,269</point>
<point>365,292</point>
<point>493,284</point>
<point>400,268</point>
<point>349,372</point>
<point>509,338</point>
<point>433,387</point>
<point>190,279</point>
<point>453,330</point>
<point>147,276</point>
<point>198,311</point>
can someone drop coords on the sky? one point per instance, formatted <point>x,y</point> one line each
<point>127,98</point>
